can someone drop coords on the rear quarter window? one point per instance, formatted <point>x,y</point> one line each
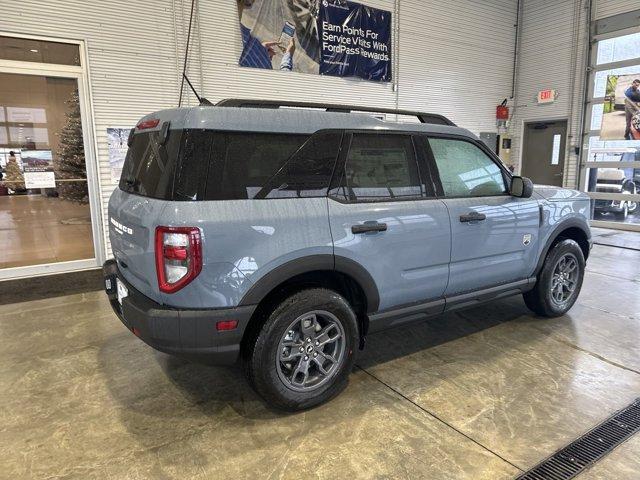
<point>241,164</point>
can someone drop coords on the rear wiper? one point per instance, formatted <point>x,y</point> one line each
<point>132,182</point>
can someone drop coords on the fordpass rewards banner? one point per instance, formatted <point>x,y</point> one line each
<point>327,37</point>
<point>356,41</point>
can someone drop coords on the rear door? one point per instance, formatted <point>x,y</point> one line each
<point>494,235</point>
<point>384,216</point>
<point>145,186</point>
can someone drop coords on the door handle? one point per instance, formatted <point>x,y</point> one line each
<point>368,227</point>
<point>473,217</point>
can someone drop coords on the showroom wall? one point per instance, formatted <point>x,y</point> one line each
<point>551,56</point>
<point>135,52</point>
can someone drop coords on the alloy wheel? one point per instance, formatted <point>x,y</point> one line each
<point>564,279</point>
<point>311,351</point>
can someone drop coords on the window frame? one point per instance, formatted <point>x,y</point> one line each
<point>435,173</point>
<point>421,166</point>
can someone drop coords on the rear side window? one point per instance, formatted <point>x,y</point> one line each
<point>149,168</point>
<point>308,172</point>
<point>379,168</point>
<point>241,163</point>
<point>465,170</point>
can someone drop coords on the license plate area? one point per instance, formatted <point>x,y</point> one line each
<point>121,290</point>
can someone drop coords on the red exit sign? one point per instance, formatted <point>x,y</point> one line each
<point>547,96</point>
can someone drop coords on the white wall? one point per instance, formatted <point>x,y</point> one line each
<point>455,61</point>
<point>550,56</point>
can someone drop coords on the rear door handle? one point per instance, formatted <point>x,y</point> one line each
<point>473,217</point>
<point>368,227</point>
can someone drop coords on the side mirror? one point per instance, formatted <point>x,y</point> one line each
<point>521,187</point>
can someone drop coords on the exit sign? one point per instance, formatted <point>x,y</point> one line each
<point>547,96</point>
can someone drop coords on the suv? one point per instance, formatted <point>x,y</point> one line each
<point>282,237</point>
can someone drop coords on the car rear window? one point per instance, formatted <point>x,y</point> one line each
<point>149,167</point>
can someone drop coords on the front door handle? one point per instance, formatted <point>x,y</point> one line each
<point>368,227</point>
<point>473,217</point>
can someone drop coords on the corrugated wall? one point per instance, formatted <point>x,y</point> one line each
<point>456,62</point>
<point>551,56</point>
<point>607,8</point>
<point>457,58</point>
<point>551,53</point>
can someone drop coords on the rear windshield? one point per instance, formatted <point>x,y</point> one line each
<point>149,167</point>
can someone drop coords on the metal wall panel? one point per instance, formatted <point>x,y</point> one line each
<point>457,60</point>
<point>551,56</point>
<point>452,62</point>
<point>607,8</point>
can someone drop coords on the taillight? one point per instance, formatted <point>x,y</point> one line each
<point>146,124</point>
<point>178,257</point>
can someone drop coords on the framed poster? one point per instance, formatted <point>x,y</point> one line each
<point>117,145</point>
<point>38,169</point>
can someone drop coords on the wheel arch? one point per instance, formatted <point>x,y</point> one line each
<point>340,274</point>
<point>573,229</point>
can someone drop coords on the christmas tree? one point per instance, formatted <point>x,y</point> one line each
<point>69,164</point>
<point>13,178</point>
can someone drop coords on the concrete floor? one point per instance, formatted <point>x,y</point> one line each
<point>480,394</point>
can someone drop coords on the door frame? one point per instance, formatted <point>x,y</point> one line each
<point>523,130</point>
<point>81,75</point>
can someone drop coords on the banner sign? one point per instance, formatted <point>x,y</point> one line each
<point>327,37</point>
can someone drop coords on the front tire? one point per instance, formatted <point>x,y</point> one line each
<point>304,353</point>
<point>559,281</point>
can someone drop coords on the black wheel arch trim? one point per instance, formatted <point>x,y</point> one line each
<point>555,233</point>
<point>309,264</point>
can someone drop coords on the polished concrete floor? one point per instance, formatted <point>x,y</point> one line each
<point>481,394</point>
<point>35,230</point>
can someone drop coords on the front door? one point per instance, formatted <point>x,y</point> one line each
<point>544,151</point>
<point>383,215</point>
<point>494,235</point>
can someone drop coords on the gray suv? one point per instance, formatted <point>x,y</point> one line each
<point>282,237</point>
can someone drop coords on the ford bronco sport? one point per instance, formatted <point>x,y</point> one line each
<point>282,237</point>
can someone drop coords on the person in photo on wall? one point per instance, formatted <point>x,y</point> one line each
<point>631,106</point>
<point>256,54</point>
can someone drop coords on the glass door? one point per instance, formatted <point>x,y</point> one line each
<point>48,214</point>
<point>611,167</point>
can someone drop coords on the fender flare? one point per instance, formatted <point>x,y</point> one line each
<point>562,226</point>
<point>299,266</point>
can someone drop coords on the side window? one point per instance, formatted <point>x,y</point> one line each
<point>308,172</point>
<point>242,163</point>
<point>379,168</point>
<point>465,170</point>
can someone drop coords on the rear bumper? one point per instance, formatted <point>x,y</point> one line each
<point>186,333</point>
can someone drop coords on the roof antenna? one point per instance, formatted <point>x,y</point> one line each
<point>202,100</point>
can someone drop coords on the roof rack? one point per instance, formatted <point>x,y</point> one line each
<point>431,118</point>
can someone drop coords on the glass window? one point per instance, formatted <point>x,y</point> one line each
<point>618,49</point>
<point>379,168</point>
<point>308,172</point>
<point>465,170</point>
<point>242,163</point>
<point>148,168</point>
<point>44,195</point>
<point>40,51</point>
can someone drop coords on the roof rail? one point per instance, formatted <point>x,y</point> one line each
<point>431,118</point>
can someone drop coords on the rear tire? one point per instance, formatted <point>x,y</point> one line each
<point>559,281</point>
<point>304,353</point>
